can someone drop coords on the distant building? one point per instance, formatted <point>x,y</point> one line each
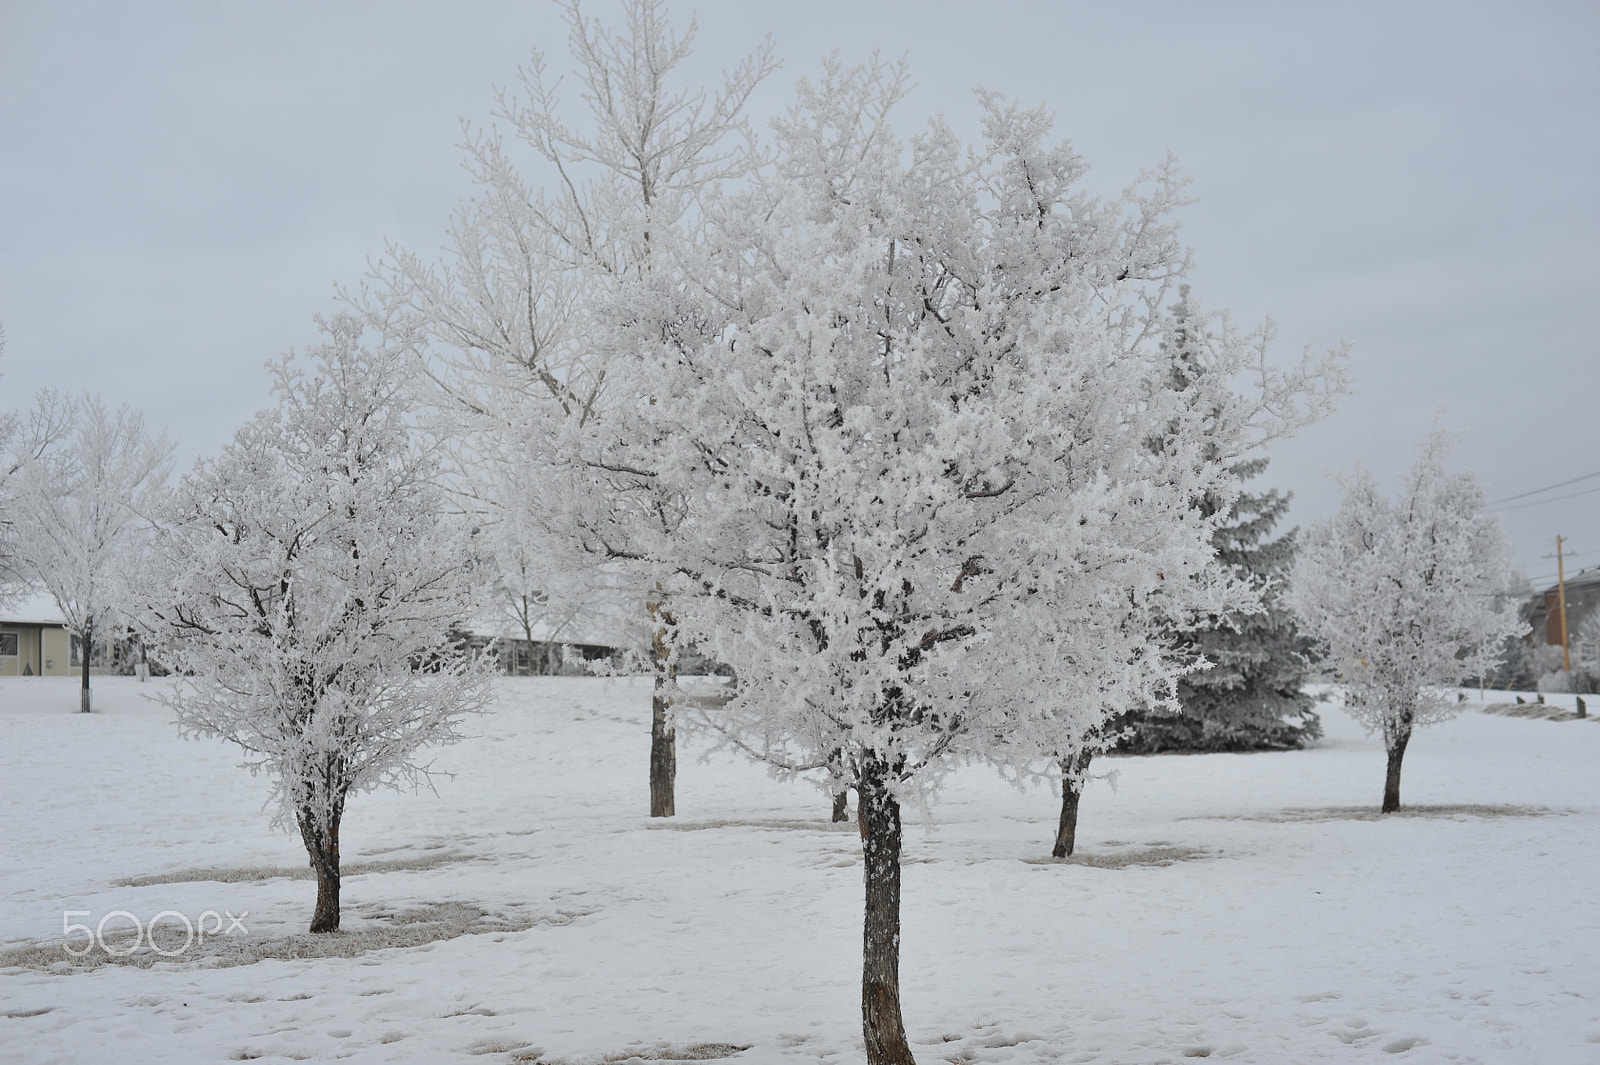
<point>554,650</point>
<point>34,641</point>
<point>1583,598</point>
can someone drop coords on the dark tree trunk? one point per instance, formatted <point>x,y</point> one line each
<point>663,756</point>
<point>663,737</point>
<point>841,807</point>
<point>1072,772</point>
<point>323,847</point>
<point>881,1023</point>
<point>1391,781</point>
<point>85,646</point>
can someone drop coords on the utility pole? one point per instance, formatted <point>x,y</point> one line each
<point>1561,604</point>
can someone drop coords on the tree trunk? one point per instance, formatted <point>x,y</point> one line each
<point>663,737</point>
<point>85,646</point>
<point>1391,782</point>
<point>663,756</point>
<point>841,793</point>
<point>323,847</point>
<point>881,1023</point>
<point>1072,772</point>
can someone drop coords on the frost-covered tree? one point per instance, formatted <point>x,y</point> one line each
<point>1252,697</point>
<point>522,594</point>
<point>1586,655</point>
<point>75,509</point>
<point>898,401</point>
<point>312,580</point>
<point>529,256</point>
<point>9,579</point>
<point>1401,596</point>
<point>24,440</point>
<point>1249,671</point>
<point>540,597</point>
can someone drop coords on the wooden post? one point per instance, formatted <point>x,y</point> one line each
<point>1583,707</point>
<point>1561,604</point>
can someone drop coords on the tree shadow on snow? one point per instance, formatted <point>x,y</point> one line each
<point>1453,811</point>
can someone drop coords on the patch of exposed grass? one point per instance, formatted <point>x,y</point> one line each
<point>502,1046</point>
<point>1370,813</point>
<point>412,927</point>
<point>693,1052</point>
<point>775,824</point>
<point>1538,711</point>
<point>1156,856</point>
<point>248,873</point>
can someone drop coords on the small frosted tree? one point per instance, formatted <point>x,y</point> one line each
<point>312,580</point>
<point>1585,676</point>
<point>77,508</point>
<point>1238,671</point>
<point>24,440</point>
<point>898,402</point>
<point>1401,596</point>
<point>543,597</point>
<point>9,461</point>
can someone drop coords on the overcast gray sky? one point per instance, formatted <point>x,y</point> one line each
<point>181,186</point>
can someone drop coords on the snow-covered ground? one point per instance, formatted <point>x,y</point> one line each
<point>1301,928</point>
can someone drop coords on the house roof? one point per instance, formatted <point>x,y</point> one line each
<point>1586,578</point>
<point>36,608</point>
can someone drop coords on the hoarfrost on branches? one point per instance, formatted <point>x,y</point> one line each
<point>24,441</point>
<point>919,473</point>
<point>1402,596</point>
<point>312,579</point>
<point>76,500</point>
<point>508,312</point>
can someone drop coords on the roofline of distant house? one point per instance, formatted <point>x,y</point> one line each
<point>32,610</point>
<point>1581,579</point>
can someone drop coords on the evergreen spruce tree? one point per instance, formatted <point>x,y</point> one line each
<point>1252,697</point>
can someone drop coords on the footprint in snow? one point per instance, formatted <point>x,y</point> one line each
<point>1400,1046</point>
<point>1356,1033</point>
<point>1228,1051</point>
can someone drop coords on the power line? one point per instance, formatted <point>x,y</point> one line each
<point>1546,488</point>
<point>1553,499</point>
<point>1571,554</point>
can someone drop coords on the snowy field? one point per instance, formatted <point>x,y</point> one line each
<point>1244,907</point>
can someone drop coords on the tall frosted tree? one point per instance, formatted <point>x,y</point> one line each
<point>1401,596</point>
<point>896,402</point>
<point>312,576</point>
<point>78,510</point>
<point>508,310</point>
